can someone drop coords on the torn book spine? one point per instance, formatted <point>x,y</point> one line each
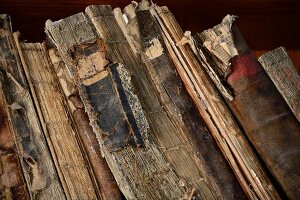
<point>214,111</point>
<point>37,166</point>
<point>173,96</point>
<point>115,112</point>
<point>106,182</point>
<point>163,123</point>
<point>57,123</point>
<point>264,115</point>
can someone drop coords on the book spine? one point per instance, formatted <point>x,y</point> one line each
<point>182,111</point>
<point>260,109</point>
<point>214,111</point>
<point>285,77</point>
<point>107,184</point>
<point>114,110</point>
<point>12,183</point>
<point>271,126</point>
<point>57,124</point>
<point>176,151</point>
<point>37,165</point>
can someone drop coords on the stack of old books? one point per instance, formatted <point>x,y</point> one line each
<point>122,104</point>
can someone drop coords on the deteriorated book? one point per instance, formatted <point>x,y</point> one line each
<point>265,117</point>
<point>123,104</point>
<point>36,162</point>
<point>104,178</point>
<point>114,111</point>
<point>212,108</point>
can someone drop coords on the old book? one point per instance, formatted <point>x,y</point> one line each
<point>180,121</point>
<point>56,122</point>
<point>36,162</point>
<point>12,183</point>
<point>214,111</point>
<point>285,77</point>
<point>104,178</point>
<point>115,113</point>
<point>145,36</point>
<point>260,109</point>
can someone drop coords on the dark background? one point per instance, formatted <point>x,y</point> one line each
<point>265,24</point>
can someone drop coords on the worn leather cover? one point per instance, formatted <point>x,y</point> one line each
<point>268,122</point>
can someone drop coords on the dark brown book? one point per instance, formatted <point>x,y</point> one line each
<point>267,120</point>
